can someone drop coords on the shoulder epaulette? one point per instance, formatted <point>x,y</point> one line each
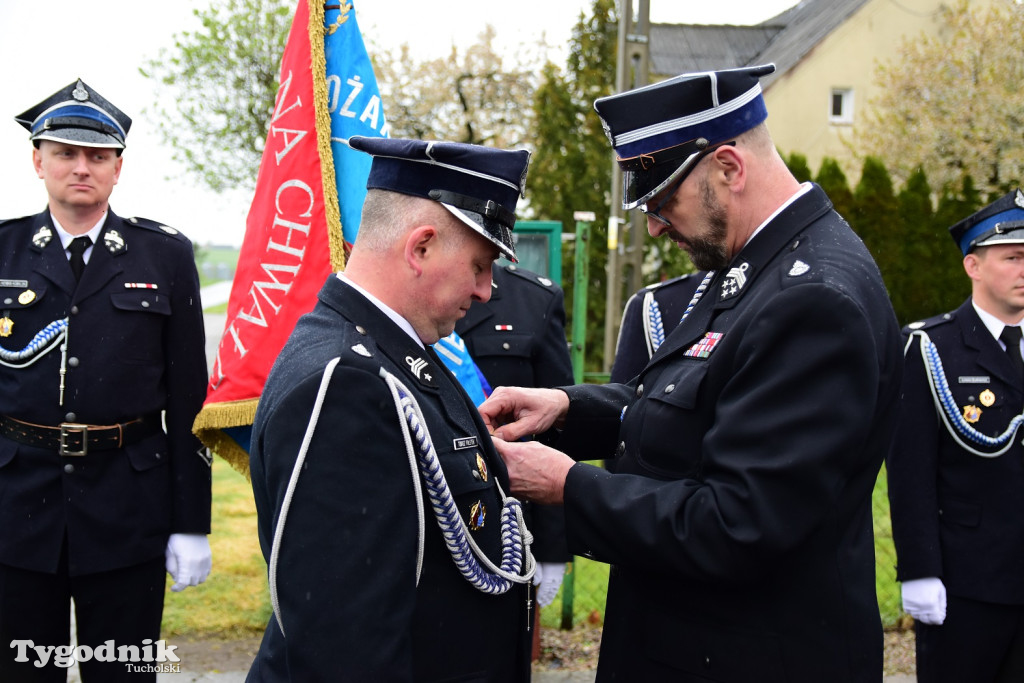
<point>668,283</point>
<point>4,221</point>
<point>155,227</point>
<point>929,323</point>
<point>530,276</point>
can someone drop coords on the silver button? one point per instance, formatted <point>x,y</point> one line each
<point>670,388</point>
<point>505,346</point>
<point>69,469</point>
<point>70,417</point>
<point>74,310</point>
<point>8,300</point>
<point>639,390</point>
<point>620,449</point>
<point>145,304</point>
<point>73,362</point>
<point>360,329</point>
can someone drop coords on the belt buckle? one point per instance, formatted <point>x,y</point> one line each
<point>73,428</point>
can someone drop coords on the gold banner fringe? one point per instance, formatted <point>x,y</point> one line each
<point>218,416</point>
<point>318,67</point>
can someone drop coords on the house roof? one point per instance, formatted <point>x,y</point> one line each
<point>784,39</point>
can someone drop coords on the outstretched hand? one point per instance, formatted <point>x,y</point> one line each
<point>510,413</point>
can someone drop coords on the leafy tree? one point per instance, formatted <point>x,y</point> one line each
<point>473,97</point>
<point>833,181</point>
<point>219,85</point>
<point>874,218</point>
<point>952,103</point>
<point>572,160</point>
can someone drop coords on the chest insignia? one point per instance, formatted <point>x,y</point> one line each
<point>705,346</point>
<point>972,413</point>
<point>477,516</point>
<point>42,237</point>
<point>734,280</point>
<point>987,398</point>
<point>26,297</point>
<point>421,369</point>
<point>6,325</point>
<point>114,242</point>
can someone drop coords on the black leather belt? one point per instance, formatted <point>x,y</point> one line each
<point>72,438</point>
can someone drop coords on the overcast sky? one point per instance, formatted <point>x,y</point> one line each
<point>43,47</point>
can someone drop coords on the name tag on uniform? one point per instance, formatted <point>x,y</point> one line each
<point>974,379</point>
<point>465,442</point>
<point>14,283</point>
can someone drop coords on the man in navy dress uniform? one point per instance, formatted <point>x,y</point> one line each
<point>102,369</point>
<point>738,520</point>
<point>394,553</point>
<point>956,469</point>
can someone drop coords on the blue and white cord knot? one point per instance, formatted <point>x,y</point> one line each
<point>472,563</point>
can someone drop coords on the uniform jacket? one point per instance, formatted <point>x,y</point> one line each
<point>131,351</point>
<point>738,522</point>
<point>957,515</point>
<point>346,582</point>
<point>518,339</point>
<point>665,301</point>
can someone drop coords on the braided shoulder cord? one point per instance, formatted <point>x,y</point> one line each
<point>652,323</point>
<point>44,341</point>
<point>950,414</point>
<point>698,294</point>
<point>473,564</point>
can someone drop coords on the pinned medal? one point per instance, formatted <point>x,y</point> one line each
<point>477,513</point>
<point>972,413</point>
<point>6,325</point>
<point>503,328</point>
<point>987,398</point>
<point>26,297</point>
<point>481,467</point>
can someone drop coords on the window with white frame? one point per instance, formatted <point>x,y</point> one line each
<point>840,106</point>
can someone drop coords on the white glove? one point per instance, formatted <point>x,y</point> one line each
<point>548,578</point>
<point>188,560</point>
<point>925,600</point>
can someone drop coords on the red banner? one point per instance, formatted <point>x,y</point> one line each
<point>292,242</point>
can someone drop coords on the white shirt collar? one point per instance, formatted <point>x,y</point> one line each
<point>804,189</point>
<point>66,237</point>
<point>387,310</point>
<point>993,324</point>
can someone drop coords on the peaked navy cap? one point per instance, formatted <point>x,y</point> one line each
<point>479,185</point>
<point>1001,222</point>
<point>78,115</point>
<point>660,130</point>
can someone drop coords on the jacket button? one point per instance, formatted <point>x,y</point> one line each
<point>74,310</point>
<point>620,449</point>
<point>145,304</point>
<point>73,362</point>
<point>505,346</point>
<point>69,468</point>
<point>70,417</point>
<point>639,390</point>
<point>670,388</point>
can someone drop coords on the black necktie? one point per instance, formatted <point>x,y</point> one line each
<point>77,249</point>
<point>1011,337</point>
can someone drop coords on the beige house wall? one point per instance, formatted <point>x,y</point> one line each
<point>799,101</point>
